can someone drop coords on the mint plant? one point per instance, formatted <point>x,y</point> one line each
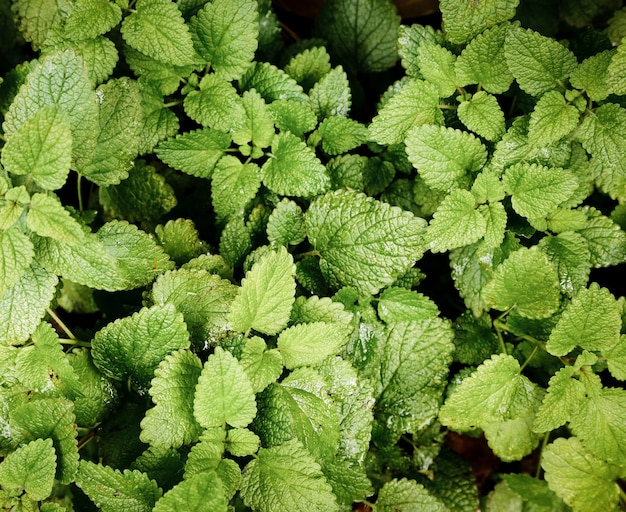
<point>240,274</point>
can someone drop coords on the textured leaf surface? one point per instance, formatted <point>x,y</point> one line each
<point>591,75</point>
<point>402,305</point>
<point>258,127</point>
<point>47,217</point>
<point>215,104</point>
<point>233,186</point>
<point>436,65</point>
<point>262,366</point>
<point>293,169</point>
<point>310,344</point>
<point>482,114</point>
<point>463,21</point>
<point>200,492</point>
<point>266,295</point>
<point>224,393</point>
<point>527,281</point>
<point>225,35</point>
<point>569,253</point>
<point>286,224</point>
<point>111,490</point>
<point>552,119</point>
<point>32,468</point>
<point>341,134</point>
<point>408,496</point>
<point>564,395</point>
<point>331,96</point>
<point>271,83</point>
<point>171,421</point>
<point>132,347</point>
<point>605,239</point>
<point>285,478</point>
<point>363,242</point>
<point>309,66</point>
<point>16,255</point>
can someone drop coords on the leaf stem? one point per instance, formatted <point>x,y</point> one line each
<point>544,443</point>
<point>80,195</point>
<point>62,325</point>
<point>528,359</point>
<point>303,255</point>
<point>76,343</point>
<point>85,440</point>
<point>173,104</point>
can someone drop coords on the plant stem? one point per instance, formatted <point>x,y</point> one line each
<point>60,323</point>
<point>528,359</point>
<point>544,443</point>
<point>80,196</point>
<point>303,255</point>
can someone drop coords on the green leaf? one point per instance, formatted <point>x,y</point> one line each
<point>285,478</point>
<point>407,496</point>
<point>528,281</point>
<point>436,64</point>
<point>132,347</point>
<point>171,423</point>
<point>316,309</point>
<point>561,402</point>
<point>271,83</point>
<point>416,103</point>
<point>258,127</point>
<point>16,255</point>
<point>30,468</point>
<point>216,104</point>
<point>159,122</point>
<point>117,140</point>
<point>40,23</point>
<point>444,155</point>
<point>537,190</point>
<point>457,222</point>
<point>23,305</point>
<point>533,491</point>
<point>410,375</point>
<point>143,196</point>
<point>483,61</point>
<point>309,66</point>
<point>569,253</point>
<point>348,480</point>
<point>203,298</point>
<point>402,305</point>
<point>196,152</point>
<point>495,392</point>
<point>225,35</point>
<point>163,76</point>
<point>592,321</point>
<point>47,217</point>
<point>552,119</point>
<point>293,169</point>
<point>331,95</point>
<point>616,359</point>
<point>615,72</point>
<point>537,62</point>
<point>474,339</point>
<point>111,490</point>
<point>293,116</point>
<point>591,75</point>
<point>583,481</point>
<point>496,219</point>
<point>363,242</point>
<point>487,187</point>
<point>50,418</point>
<point>224,393</point>
<point>235,241</point>
<point>41,147</point>
<point>361,34</point>
<point>285,225</point>
<point>461,22</point>
<point>309,344</point>
<point>203,491</point>
<point>605,239</point>
<point>15,199</point>
<point>262,366</point>
<point>482,114</point>
<point>340,135</point>
<point>233,186</point>
<point>410,38</point>
<point>242,442</point>
<point>157,29</point>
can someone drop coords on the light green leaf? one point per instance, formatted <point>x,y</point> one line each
<point>416,103</point>
<point>348,480</point>
<point>132,347</point>
<point>583,481</point>
<point>592,321</point>
<point>616,359</point>
<point>474,338</point>
<point>331,96</point>
<point>528,281</point>
<point>495,392</point>
<point>487,187</point>
<point>552,119</point>
<point>233,186</point>
<point>569,253</point>
<point>203,298</point>
<point>309,344</point>
<point>216,104</point>
<point>16,255</point>
<point>361,34</point>
<point>235,241</point>
<point>39,22</point>
<point>483,61</point>
<point>340,135</point>
<point>225,35</point>
<point>258,127</point>
<point>537,62</point>
<point>15,199</point>
<point>163,76</point>
<point>117,139</point>
<point>203,491</point>
<point>293,116</point>
<point>285,225</point>
<point>31,469</point>
<point>195,152</point>
<point>463,21</point>
<point>293,169</point>
<point>157,29</point>
<point>242,442</point>
<point>436,64</point>
<point>309,66</point>
<point>537,190</point>
<point>496,219</point>
<point>409,375</point>
<point>534,492</point>
<point>47,217</point>
<point>171,422</point>
<point>111,490</point>
<point>615,72</point>
<point>41,147</point>
<point>457,222</point>
<point>591,75</point>
<point>407,496</point>
<point>363,242</point>
<point>402,305</point>
<point>482,114</point>
<point>561,402</point>
<point>23,305</point>
<point>271,83</point>
<point>159,122</point>
<point>224,394</point>
<point>143,196</point>
<point>410,38</point>
<point>444,155</point>
<point>262,366</point>
<point>316,309</point>
<point>91,18</point>
<point>285,478</point>
<point>605,239</point>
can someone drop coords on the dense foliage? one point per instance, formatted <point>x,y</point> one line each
<point>244,272</point>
